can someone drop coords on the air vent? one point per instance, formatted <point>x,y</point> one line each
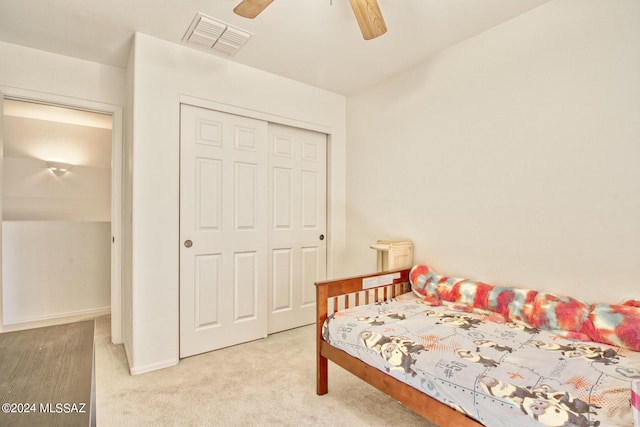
<point>214,35</point>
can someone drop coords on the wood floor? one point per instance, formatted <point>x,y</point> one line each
<point>47,376</point>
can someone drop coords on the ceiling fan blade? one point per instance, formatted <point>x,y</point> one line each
<point>369,18</point>
<point>251,8</point>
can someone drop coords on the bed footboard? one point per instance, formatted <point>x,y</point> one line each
<point>334,295</point>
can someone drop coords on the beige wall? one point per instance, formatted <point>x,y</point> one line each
<point>511,157</point>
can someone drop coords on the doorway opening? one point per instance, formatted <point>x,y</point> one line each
<point>61,175</point>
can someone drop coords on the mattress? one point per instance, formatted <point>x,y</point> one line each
<point>499,373</point>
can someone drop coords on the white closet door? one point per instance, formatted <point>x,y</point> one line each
<point>297,224</point>
<point>223,230</point>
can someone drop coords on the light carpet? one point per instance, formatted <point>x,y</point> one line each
<point>269,382</point>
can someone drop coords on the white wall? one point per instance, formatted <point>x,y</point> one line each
<point>32,192</point>
<point>127,193</point>
<point>162,72</point>
<point>36,70</point>
<point>56,240</point>
<point>512,157</point>
<point>32,72</point>
<point>55,268</point>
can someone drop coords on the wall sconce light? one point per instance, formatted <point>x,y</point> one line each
<point>59,168</point>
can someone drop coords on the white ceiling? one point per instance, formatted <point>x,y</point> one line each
<point>316,42</point>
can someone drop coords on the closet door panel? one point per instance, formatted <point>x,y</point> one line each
<point>297,205</point>
<point>223,230</point>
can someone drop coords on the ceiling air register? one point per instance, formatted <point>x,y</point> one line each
<point>217,36</point>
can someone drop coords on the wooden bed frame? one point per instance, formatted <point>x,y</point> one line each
<point>333,295</point>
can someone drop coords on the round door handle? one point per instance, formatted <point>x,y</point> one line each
<point>188,243</point>
<point>322,237</point>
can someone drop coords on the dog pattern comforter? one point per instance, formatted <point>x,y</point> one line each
<point>500,373</point>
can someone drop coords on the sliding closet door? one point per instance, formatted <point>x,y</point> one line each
<point>223,230</point>
<point>297,224</point>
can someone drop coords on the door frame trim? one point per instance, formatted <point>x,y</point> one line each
<point>254,114</point>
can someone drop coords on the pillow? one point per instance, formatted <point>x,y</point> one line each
<point>632,302</point>
<point>558,313</point>
<point>510,303</point>
<point>617,325</point>
<point>465,292</point>
<point>514,304</point>
<point>424,282</point>
<point>449,289</point>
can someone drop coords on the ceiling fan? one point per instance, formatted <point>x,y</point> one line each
<point>367,14</point>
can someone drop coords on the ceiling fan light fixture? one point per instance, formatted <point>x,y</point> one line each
<point>251,8</point>
<point>367,14</point>
<point>369,17</point>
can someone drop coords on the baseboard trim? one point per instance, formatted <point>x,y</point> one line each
<point>58,319</point>
<point>136,370</point>
<point>127,355</point>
